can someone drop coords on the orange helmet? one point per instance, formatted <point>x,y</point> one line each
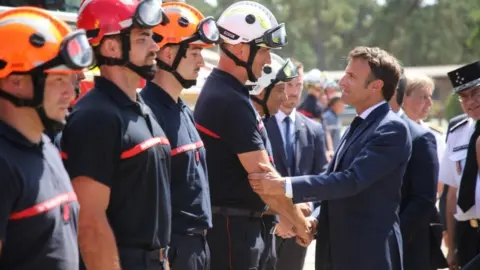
<point>37,43</point>
<point>187,26</point>
<point>102,18</point>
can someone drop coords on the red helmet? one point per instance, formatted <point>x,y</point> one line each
<point>102,18</point>
<point>109,17</point>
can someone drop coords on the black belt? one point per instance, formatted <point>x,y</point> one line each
<point>228,211</point>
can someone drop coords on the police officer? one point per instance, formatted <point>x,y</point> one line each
<point>235,139</point>
<point>267,94</point>
<point>38,208</point>
<point>179,60</point>
<point>113,148</point>
<point>459,170</point>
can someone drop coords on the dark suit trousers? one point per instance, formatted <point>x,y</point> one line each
<point>291,256</point>
<point>468,242</point>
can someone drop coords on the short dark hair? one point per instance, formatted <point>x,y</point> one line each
<point>333,100</point>
<point>384,67</point>
<point>401,90</point>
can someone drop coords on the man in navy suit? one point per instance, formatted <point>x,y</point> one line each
<point>298,146</point>
<point>417,207</point>
<point>358,226</point>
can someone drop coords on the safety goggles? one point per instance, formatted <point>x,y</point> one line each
<point>75,54</point>
<point>273,38</point>
<point>287,73</point>
<point>149,14</point>
<point>207,32</point>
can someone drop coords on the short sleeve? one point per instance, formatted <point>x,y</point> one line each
<point>9,192</point>
<point>447,170</point>
<point>240,128</point>
<point>91,144</point>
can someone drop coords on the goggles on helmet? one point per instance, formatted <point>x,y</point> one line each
<point>287,73</point>
<point>75,53</point>
<point>149,13</point>
<point>207,32</point>
<point>273,38</point>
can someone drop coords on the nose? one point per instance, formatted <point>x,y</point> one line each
<point>155,47</point>
<point>202,62</point>
<point>268,60</point>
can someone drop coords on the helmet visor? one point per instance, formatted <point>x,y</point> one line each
<point>76,51</point>
<point>208,31</point>
<point>273,38</point>
<point>287,73</point>
<point>149,13</point>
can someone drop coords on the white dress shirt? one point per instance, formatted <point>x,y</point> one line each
<point>363,115</point>
<point>280,116</point>
<point>453,163</point>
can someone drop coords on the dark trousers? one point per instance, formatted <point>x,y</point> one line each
<point>268,259</point>
<point>189,252</point>
<point>290,255</point>
<point>468,242</point>
<point>236,242</point>
<point>139,259</point>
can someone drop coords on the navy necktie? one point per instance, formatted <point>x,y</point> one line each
<point>355,123</point>
<point>289,146</point>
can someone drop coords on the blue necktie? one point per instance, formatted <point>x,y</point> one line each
<point>289,147</point>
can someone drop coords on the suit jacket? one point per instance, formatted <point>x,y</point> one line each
<point>310,147</point>
<point>358,226</point>
<point>419,190</point>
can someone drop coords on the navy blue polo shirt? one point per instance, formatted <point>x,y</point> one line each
<point>229,125</point>
<point>191,207</point>
<point>311,108</point>
<point>117,142</point>
<point>38,208</point>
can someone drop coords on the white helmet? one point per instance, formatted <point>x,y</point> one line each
<point>315,77</point>
<point>279,71</point>
<point>252,23</point>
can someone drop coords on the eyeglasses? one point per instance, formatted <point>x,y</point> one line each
<point>469,95</point>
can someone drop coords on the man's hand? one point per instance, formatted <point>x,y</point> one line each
<point>268,182</point>
<point>306,208</point>
<point>284,228</point>
<point>452,260</point>
<point>306,240</point>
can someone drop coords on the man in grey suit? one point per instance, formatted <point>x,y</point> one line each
<point>358,225</point>
<point>298,146</point>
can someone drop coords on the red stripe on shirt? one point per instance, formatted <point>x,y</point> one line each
<point>206,131</point>
<point>186,147</point>
<point>137,149</point>
<point>45,206</point>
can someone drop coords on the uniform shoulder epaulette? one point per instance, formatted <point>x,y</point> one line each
<point>459,124</point>
<point>436,128</point>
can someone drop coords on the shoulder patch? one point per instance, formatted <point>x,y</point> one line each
<point>459,124</point>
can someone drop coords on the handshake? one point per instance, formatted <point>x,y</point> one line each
<point>285,229</point>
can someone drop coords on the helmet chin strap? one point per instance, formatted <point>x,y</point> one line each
<point>247,65</point>
<point>36,103</point>
<point>263,102</point>
<point>182,53</point>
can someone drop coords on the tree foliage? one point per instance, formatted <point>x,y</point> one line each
<point>321,32</point>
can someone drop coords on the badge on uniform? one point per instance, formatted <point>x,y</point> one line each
<point>461,147</point>
<point>474,223</point>
<point>459,167</point>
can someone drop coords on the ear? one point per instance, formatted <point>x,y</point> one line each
<point>111,47</point>
<point>377,85</point>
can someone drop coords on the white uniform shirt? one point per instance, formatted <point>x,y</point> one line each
<point>453,163</point>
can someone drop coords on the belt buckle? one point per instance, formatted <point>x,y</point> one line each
<point>474,223</point>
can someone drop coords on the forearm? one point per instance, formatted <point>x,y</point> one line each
<point>285,207</point>
<point>98,246</point>
<point>450,219</point>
